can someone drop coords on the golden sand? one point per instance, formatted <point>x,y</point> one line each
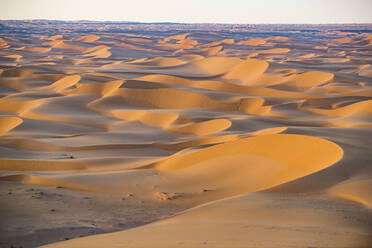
<point>251,145</point>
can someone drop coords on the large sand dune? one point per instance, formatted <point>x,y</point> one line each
<point>185,139</point>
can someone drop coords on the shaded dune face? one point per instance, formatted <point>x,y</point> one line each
<point>261,141</point>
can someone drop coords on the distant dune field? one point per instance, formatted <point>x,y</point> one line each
<point>156,137</point>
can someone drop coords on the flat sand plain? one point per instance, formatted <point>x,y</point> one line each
<point>185,139</point>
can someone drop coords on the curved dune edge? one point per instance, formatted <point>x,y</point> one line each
<point>357,190</point>
<point>212,51</point>
<point>247,71</point>
<point>168,98</point>
<point>227,87</point>
<point>305,81</point>
<point>88,38</point>
<point>100,51</point>
<point>248,219</point>
<point>211,66</point>
<point>156,119</point>
<point>102,89</point>
<point>62,84</point>
<point>205,140</point>
<point>38,49</point>
<point>157,62</point>
<point>351,109</point>
<point>268,131</point>
<point>252,164</point>
<point>33,145</point>
<point>204,67</point>
<point>249,164</point>
<point>7,123</point>
<point>16,106</point>
<point>202,128</point>
<point>254,106</point>
<point>36,180</point>
<point>284,148</point>
<point>252,42</point>
<point>274,51</point>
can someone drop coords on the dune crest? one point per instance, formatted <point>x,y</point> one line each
<point>88,38</point>
<point>63,83</point>
<point>258,146</point>
<point>157,119</point>
<point>305,81</point>
<point>237,164</point>
<point>202,128</point>
<point>247,71</point>
<point>354,190</point>
<point>8,123</point>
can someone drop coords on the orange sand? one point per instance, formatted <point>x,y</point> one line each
<point>227,142</point>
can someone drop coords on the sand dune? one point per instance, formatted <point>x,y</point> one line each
<point>220,224</point>
<point>202,128</point>
<point>305,81</point>
<point>102,89</point>
<point>176,37</point>
<point>159,62</point>
<point>17,106</point>
<point>254,106</point>
<point>8,123</point>
<point>185,137</point>
<point>355,190</point>
<point>210,66</point>
<point>247,71</point>
<point>252,42</point>
<point>98,52</point>
<point>88,38</point>
<point>168,98</point>
<point>274,51</point>
<point>266,131</point>
<point>3,43</point>
<point>354,108</point>
<point>212,51</point>
<point>183,42</point>
<point>207,67</point>
<point>62,84</point>
<point>204,140</point>
<point>38,49</point>
<point>228,87</point>
<point>263,146</point>
<point>343,40</point>
<point>149,118</point>
<point>55,37</point>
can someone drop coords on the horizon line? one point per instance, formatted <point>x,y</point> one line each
<point>170,22</point>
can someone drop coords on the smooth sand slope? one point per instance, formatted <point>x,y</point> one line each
<point>187,139</point>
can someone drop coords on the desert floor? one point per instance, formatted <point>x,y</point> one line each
<point>198,136</point>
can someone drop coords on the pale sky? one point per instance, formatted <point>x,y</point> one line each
<point>192,11</point>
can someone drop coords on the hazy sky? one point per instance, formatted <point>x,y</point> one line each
<point>216,11</point>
